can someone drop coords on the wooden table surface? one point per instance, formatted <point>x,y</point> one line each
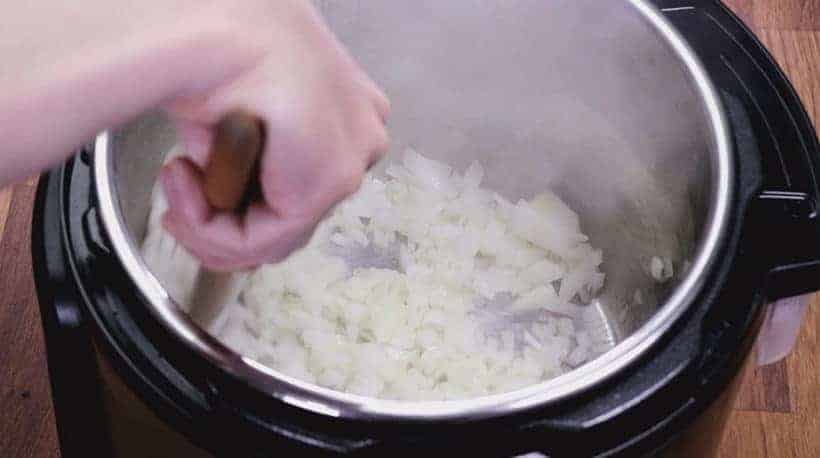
<point>777,413</point>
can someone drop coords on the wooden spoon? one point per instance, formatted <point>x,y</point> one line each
<point>230,184</point>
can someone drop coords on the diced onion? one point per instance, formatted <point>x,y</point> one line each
<point>415,332</point>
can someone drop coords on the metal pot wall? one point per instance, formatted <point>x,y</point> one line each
<point>620,120</point>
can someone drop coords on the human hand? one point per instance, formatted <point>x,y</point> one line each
<point>325,125</point>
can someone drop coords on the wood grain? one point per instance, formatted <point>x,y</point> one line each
<point>5,201</point>
<point>778,409</point>
<point>778,14</point>
<point>777,413</point>
<point>27,422</point>
<point>798,53</point>
<point>743,8</point>
<point>768,390</point>
<point>786,14</point>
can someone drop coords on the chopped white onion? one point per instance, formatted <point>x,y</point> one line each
<point>413,324</point>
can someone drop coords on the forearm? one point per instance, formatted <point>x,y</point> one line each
<point>68,74</point>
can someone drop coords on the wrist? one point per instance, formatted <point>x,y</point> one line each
<point>88,70</point>
<point>209,47</point>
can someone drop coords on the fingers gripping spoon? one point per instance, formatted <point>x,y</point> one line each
<point>229,181</point>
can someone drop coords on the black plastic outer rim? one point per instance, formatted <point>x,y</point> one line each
<point>595,416</point>
<point>238,411</point>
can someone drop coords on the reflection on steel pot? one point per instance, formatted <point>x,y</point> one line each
<point>639,147</point>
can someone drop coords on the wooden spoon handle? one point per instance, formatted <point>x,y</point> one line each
<point>238,141</point>
<point>229,178</point>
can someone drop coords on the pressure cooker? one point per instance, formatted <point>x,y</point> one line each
<point>665,124</point>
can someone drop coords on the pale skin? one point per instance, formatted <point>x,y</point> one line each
<point>72,69</point>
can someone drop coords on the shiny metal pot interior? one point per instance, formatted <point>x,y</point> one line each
<point>602,102</point>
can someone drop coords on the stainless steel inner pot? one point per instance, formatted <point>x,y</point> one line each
<point>602,102</point>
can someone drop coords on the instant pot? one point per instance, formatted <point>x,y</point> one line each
<point>670,129</point>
